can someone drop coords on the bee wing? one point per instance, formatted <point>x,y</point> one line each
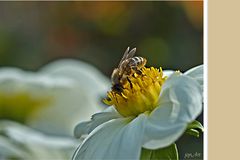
<point>131,53</point>
<point>127,54</point>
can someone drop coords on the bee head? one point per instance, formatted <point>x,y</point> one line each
<point>117,88</point>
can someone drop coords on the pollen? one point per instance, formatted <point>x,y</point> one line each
<point>140,94</point>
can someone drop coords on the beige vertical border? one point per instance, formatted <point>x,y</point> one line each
<point>224,80</point>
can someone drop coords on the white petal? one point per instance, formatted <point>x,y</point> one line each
<point>116,139</point>
<point>69,100</point>
<point>69,106</point>
<point>91,79</point>
<point>196,73</point>
<point>96,120</point>
<point>13,79</point>
<point>90,85</point>
<point>33,144</point>
<point>180,103</point>
<point>9,149</point>
<point>168,73</point>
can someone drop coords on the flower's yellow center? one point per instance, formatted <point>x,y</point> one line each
<point>140,94</point>
<point>19,106</point>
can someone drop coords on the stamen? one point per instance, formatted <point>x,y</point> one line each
<point>140,93</point>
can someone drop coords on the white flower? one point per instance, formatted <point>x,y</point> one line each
<point>53,99</point>
<point>153,113</point>
<point>49,103</point>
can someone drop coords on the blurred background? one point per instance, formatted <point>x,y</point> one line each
<point>168,34</point>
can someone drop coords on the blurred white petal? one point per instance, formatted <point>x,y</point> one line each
<point>19,141</point>
<point>72,89</point>
<point>86,75</point>
<point>9,149</point>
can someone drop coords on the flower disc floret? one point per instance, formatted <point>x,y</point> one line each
<point>140,94</point>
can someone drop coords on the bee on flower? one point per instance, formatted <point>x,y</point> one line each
<point>127,67</point>
<point>148,108</point>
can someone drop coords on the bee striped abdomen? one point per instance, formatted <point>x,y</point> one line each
<point>137,62</point>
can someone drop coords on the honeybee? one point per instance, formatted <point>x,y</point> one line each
<point>127,67</point>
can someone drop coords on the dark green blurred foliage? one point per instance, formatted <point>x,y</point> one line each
<point>168,34</point>
<point>34,33</point>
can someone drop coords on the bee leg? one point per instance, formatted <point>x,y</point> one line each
<point>134,71</point>
<point>116,98</point>
<point>139,72</point>
<point>130,83</point>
